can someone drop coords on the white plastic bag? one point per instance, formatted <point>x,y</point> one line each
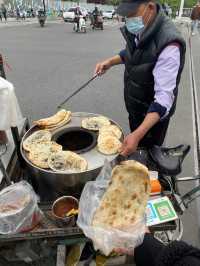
<point>19,210</point>
<point>105,240</point>
<point>10,114</point>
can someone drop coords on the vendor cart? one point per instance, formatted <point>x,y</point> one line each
<point>50,240</point>
<point>48,237</point>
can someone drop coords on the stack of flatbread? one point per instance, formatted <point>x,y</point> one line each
<point>36,137</point>
<point>125,199</point>
<point>67,161</point>
<point>95,123</point>
<point>40,152</point>
<point>109,139</point>
<point>39,147</point>
<point>44,153</point>
<point>61,118</point>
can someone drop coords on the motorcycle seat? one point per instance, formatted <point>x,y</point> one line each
<point>169,160</point>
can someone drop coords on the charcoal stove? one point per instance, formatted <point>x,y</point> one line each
<point>49,184</point>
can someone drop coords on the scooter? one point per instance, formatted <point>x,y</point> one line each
<point>97,22</point>
<point>41,17</point>
<point>82,25</point>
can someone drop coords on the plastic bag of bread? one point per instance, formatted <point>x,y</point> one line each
<point>19,211</point>
<point>112,208</point>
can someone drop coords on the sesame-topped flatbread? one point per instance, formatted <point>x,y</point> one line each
<point>125,199</point>
<point>111,130</point>
<point>67,161</point>
<point>95,123</point>
<point>38,136</point>
<point>108,145</point>
<point>54,120</point>
<point>40,152</point>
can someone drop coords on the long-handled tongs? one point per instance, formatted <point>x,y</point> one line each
<point>77,91</point>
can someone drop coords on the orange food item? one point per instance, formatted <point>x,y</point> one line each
<point>155,186</point>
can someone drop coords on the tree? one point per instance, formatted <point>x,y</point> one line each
<point>113,2</point>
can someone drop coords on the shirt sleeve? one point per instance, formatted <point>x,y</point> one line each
<point>165,74</point>
<point>122,54</point>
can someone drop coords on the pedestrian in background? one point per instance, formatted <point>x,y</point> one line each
<point>18,13</point>
<point>195,16</point>
<point>4,11</point>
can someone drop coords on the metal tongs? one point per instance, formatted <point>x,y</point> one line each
<point>77,91</point>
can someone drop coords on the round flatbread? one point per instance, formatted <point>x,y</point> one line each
<point>38,136</point>
<point>111,130</point>
<point>109,145</point>
<point>53,120</point>
<point>67,161</point>
<point>40,153</point>
<point>125,200</point>
<point>95,123</point>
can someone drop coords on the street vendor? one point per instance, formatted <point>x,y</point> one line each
<point>154,59</point>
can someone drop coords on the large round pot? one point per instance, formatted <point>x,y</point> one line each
<point>49,184</point>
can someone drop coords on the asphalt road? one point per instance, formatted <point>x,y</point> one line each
<point>49,63</point>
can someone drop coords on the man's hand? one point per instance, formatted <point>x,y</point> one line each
<point>131,141</point>
<point>130,144</point>
<point>102,67</point>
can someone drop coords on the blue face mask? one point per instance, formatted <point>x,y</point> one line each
<point>134,24</point>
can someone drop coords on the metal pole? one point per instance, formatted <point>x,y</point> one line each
<point>44,5</point>
<point>181,9</point>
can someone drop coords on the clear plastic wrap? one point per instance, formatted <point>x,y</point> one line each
<point>103,239</point>
<point>19,210</point>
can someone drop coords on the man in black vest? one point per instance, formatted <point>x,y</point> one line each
<point>154,59</point>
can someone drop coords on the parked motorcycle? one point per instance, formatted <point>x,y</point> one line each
<point>41,17</point>
<point>79,24</point>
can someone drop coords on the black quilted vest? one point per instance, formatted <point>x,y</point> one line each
<point>140,62</point>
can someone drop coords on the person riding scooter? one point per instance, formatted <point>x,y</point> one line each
<point>95,13</point>
<point>97,19</point>
<point>41,17</point>
<point>78,13</point>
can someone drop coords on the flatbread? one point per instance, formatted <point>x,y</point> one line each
<point>95,123</point>
<point>108,145</point>
<point>62,123</point>
<point>111,130</point>
<point>40,152</point>
<point>38,136</point>
<point>67,161</point>
<point>53,120</point>
<point>125,199</point>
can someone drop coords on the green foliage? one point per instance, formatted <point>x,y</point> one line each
<point>190,3</point>
<point>175,4</point>
<point>113,2</point>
